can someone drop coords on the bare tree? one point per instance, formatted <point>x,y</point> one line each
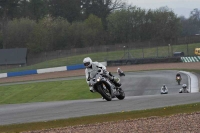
<point>100,8</point>
<point>195,14</point>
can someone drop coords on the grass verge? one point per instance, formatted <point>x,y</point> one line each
<point>70,90</point>
<point>46,91</point>
<point>113,117</point>
<point>49,91</point>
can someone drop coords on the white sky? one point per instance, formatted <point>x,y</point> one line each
<point>180,7</point>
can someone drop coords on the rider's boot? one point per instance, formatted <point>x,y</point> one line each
<point>115,81</point>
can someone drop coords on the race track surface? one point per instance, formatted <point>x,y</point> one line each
<point>142,91</point>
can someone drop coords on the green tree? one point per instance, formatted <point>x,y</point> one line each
<point>8,11</point>
<point>50,34</point>
<point>127,24</point>
<point>166,24</point>
<point>136,24</point>
<point>60,33</point>
<point>69,9</point>
<point>94,31</point>
<point>1,40</point>
<point>24,9</point>
<point>75,38</point>
<point>100,8</point>
<point>18,32</point>
<point>118,25</point>
<point>41,39</point>
<point>195,21</point>
<point>38,9</point>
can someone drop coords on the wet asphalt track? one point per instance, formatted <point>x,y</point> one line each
<point>142,91</point>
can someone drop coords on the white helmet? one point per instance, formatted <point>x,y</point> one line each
<point>87,62</point>
<point>184,85</point>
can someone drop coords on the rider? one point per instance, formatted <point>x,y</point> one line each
<point>178,75</point>
<point>184,87</point>
<point>93,67</point>
<point>164,87</point>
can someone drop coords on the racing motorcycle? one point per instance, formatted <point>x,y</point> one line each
<point>178,79</point>
<point>164,90</point>
<point>105,87</point>
<point>183,90</point>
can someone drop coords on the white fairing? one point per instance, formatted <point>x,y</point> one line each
<point>93,70</point>
<point>164,90</point>
<point>182,90</point>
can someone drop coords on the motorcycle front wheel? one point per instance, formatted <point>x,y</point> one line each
<point>105,93</point>
<point>178,82</point>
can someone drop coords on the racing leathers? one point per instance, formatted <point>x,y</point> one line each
<point>93,69</point>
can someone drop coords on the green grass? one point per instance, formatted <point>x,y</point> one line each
<point>161,51</point>
<point>46,91</point>
<point>113,117</point>
<point>49,91</point>
<point>71,90</point>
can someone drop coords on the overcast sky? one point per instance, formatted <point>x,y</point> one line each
<point>180,7</point>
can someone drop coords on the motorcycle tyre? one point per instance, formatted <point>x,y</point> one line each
<point>121,96</point>
<point>178,82</point>
<point>103,94</point>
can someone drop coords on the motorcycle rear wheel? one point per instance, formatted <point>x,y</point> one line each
<point>105,93</point>
<point>122,95</point>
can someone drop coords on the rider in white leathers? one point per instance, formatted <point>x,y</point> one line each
<point>184,89</point>
<point>164,89</point>
<point>92,68</point>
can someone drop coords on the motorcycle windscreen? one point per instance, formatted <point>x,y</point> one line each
<point>93,73</point>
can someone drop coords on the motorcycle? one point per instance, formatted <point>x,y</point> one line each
<point>120,72</point>
<point>178,79</point>
<point>184,90</point>
<point>164,90</point>
<point>105,87</point>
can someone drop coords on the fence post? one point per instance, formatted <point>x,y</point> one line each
<point>45,56</point>
<point>143,52</point>
<point>157,51</point>
<point>172,50</point>
<point>168,49</point>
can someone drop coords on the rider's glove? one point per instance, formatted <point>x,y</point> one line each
<point>100,71</point>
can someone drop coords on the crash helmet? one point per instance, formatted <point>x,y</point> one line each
<point>184,85</point>
<point>87,62</point>
<point>164,85</point>
<point>178,74</point>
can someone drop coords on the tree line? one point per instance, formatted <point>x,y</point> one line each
<point>46,25</point>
